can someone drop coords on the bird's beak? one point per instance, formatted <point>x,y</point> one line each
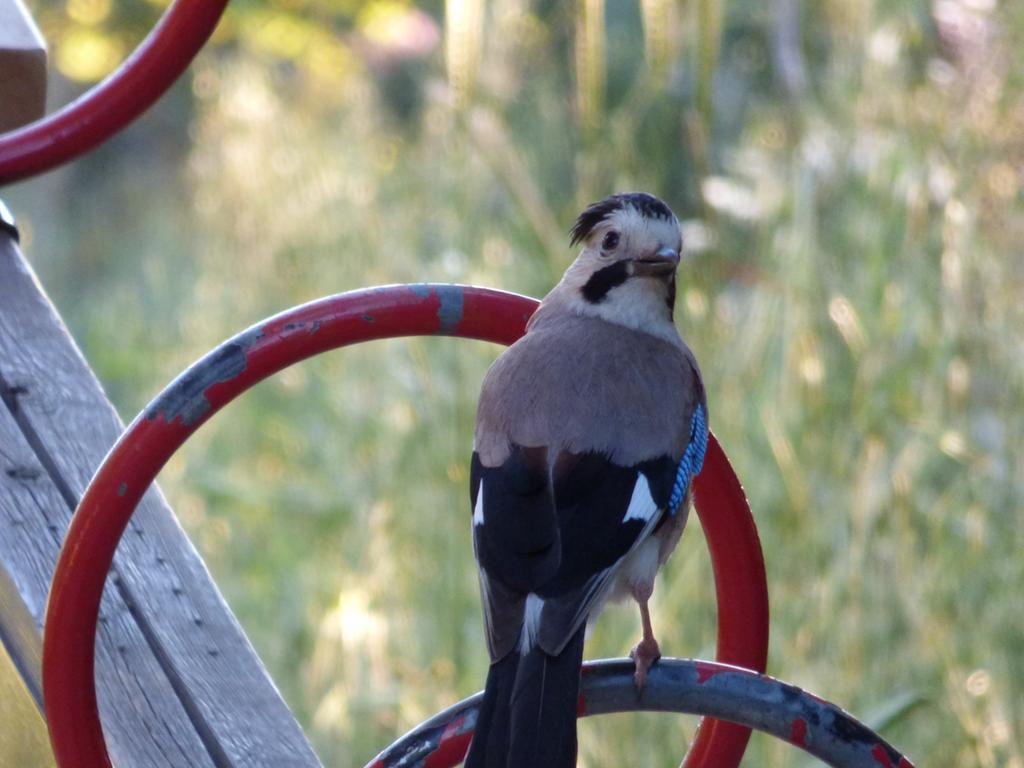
<point>660,264</point>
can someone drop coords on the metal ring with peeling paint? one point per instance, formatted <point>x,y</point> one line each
<point>266,348</point>
<point>683,686</point>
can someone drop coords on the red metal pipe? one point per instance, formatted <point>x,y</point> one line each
<point>123,96</point>
<point>738,565</point>
<point>152,438</point>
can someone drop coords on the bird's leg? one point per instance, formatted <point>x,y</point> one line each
<point>646,652</point>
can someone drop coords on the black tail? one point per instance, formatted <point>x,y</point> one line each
<point>489,748</point>
<point>528,715</point>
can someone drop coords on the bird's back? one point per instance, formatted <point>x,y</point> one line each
<point>581,383</point>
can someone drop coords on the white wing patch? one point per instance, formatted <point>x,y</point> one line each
<point>641,505</point>
<point>531,622</point>
<point>478,513</point>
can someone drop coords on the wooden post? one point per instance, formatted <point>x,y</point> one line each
<point>178,682</point>
<point>22,67</point>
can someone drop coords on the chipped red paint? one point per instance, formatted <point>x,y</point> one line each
<point>452,748</point>
<point>706,671</point>
<point>92,119</point>
<point>329,323</point>
<point>798,732</point>
<point>882,757</point>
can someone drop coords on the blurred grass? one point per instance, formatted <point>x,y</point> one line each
<point>850,175</point>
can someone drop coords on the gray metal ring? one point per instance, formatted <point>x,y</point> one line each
<point>685,686</point>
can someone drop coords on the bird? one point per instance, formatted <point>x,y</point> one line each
<point>589,431</point>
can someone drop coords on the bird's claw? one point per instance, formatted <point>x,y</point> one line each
<point>644,655</point>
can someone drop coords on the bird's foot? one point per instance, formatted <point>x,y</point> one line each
<point>644,654</point>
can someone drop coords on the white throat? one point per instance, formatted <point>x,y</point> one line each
<point>633,305</point>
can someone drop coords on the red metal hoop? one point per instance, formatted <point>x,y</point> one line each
<point>152,438</point>
<point>124,95</point>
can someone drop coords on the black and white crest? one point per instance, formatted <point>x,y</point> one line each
<point>647,205</point>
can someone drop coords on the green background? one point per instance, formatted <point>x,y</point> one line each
<point>849,174</point>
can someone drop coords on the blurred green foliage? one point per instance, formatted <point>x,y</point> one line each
<point>850,174</point>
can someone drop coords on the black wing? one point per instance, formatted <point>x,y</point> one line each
<point>557,535</point>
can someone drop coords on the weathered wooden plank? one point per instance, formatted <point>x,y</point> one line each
<point>22,67</point>
<point>145,724</point>
<point>226,691</point>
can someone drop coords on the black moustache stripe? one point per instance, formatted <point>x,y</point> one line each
<point>602,281</point>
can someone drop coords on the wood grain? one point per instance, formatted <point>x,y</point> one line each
<point>68,422</point>
<point>22,67</point>
<point>144,722</point>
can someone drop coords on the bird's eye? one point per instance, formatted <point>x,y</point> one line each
<point>610,241</point>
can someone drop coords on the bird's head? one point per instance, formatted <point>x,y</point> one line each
<point>626,272</point>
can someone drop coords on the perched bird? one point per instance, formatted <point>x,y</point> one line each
<point>589,430</point>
